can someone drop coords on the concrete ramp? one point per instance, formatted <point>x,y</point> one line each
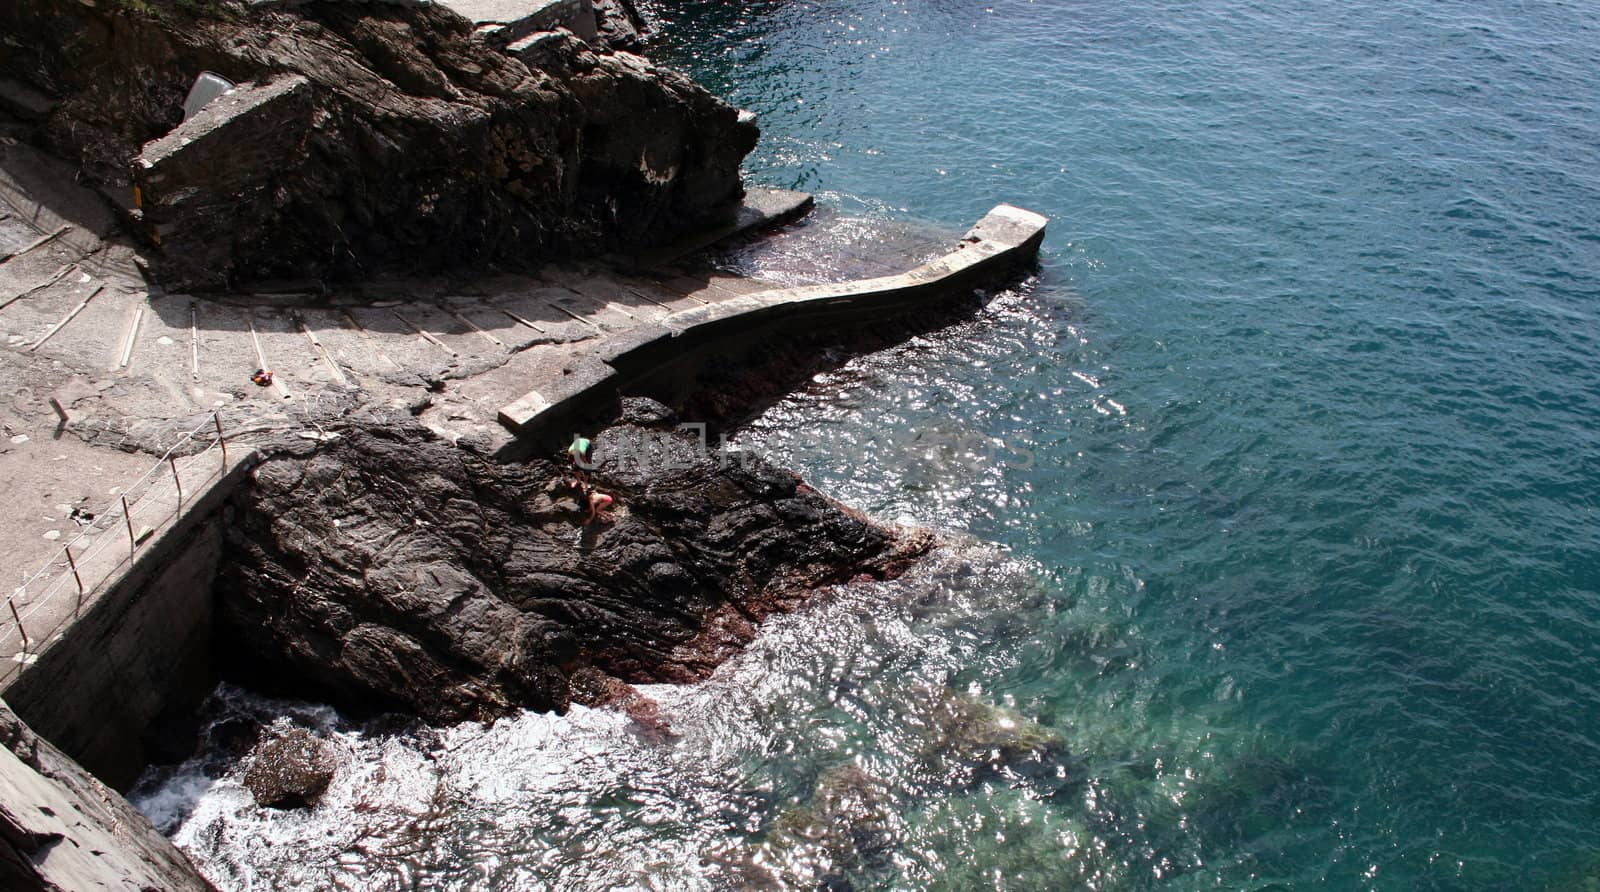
<point>760,209</point>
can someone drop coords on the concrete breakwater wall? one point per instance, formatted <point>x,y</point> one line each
<point>665,360</point>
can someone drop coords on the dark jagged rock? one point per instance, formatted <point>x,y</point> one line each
<point>388,570</point>
<point>289,770</point>
<point>394,138</point>
<point>620,24</point>
<point>646,412</point>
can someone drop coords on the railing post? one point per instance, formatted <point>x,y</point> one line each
<point>26,645</point>
<point>217,417</point>
<point>74,565</point>
<point>127,516</point>
<point>175,481</point>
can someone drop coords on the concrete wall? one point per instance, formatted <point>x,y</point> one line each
<point>140,651</point>
<point>665,360</point>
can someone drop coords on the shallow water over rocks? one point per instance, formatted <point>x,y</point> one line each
<point>808,755</point>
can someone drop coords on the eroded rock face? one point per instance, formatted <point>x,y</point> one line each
<point>390,570</point>
<point>412,145</point>
<point>620,24</point>
<point>290,769</point>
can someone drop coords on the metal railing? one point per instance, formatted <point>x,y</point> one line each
<point>81,567</point>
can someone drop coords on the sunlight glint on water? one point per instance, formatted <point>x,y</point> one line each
<point>1304,569</point>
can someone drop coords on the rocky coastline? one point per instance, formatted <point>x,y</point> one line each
<point>389,570</point>
<point>380,565</point>
<point>365,137</point>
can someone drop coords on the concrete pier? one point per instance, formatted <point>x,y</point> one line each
<point>1004,240</point>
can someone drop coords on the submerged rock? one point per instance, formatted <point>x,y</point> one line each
<point>289,770</point>
<point>963,736</point>
<point>851,822</point>
<point>852,815</point>
<point>1580,875</point>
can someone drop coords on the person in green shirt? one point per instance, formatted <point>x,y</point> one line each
<point>578,452</point>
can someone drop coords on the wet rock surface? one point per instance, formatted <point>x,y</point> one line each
<point>594,688</point>
<point>853,819</point>
<point>290,769</point>
<point>389,570</point>
<point>410,146</point>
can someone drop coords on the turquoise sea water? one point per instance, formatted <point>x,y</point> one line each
<point>1304,569</point>
<point>1312,382</point>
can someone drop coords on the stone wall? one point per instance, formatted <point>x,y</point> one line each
<point>140,652</point>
